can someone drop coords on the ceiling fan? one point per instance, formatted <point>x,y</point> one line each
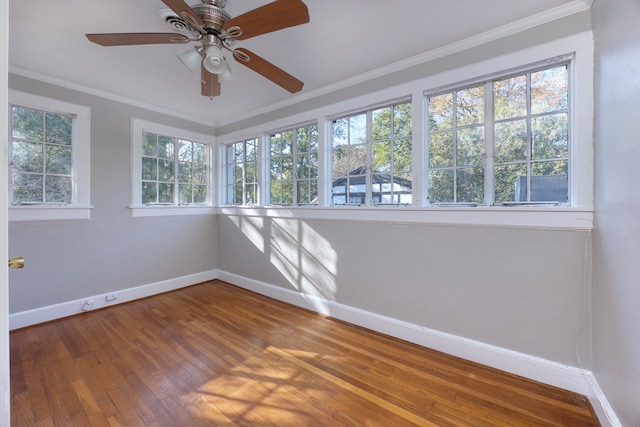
<point>213,29</point>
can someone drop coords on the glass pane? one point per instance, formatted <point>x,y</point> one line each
<point>381,128</point>
<point>441,150</point>
<point>185,172</point>
<point>252,151</point>
<point>27,124</point>
<point>339,162</point>
<point>149,192</point>
<point>149,145</point>
<point>165,170</point>
<point>313,165</point>
<point>470,146</point>
<point>184,194</point>
<point>287,193</point>
<point>402,120</point>
<point>313,137</point>
<point>185,151</point>
<point>357,160</point>
<point>550,136</point>
<point>381,156</point>
<point>58,189</point>
<point>165,147</point>
<point>199,153</point>
<point>340,132</point>
<point>470,185</point>
<point>549,182</point>
<point>58,128</point>
<point>358,129</point>
<point>549,90</point>
<point>511,141</point>
<point>27,156</point>
<point>276,168</point>
<point>441,186</point>
<point>149,169</point>
<point>441,112</point>
<point>287,143</point>
<point>304,193</point>
<point>470,106</point>
<point>510,97</point>
<point>58,159</point>
<point>287,168</point>
<point>165,192</point>
<point>199,194</point>
<point>252,194</point>
<point>402,154</point>
<point>27,188</point>
<point>506,179</point>
<point>275,144</point>
<point>199,174</point>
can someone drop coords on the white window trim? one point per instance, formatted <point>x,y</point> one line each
<point>579,216</point>
<point>137,209</point>
<point>81,206</point>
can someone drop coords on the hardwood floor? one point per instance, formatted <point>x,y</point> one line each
<point>216,355</point>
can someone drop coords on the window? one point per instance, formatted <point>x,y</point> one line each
<point>49,154</point>
<point>501,142</point>
<point>293,166</point>
<point>172,169</point>
<point>241,172</point>
<point>371,157</point>
<point>170,163</point>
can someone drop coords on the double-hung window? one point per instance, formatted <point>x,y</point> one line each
<point>49,154</point>
<point>241,160</point>
<point>172,169</point>
<point>371,155</point>
<point>293,166</point>
<point>501,142</point>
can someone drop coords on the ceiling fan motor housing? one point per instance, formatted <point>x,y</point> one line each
<point>212,14</point>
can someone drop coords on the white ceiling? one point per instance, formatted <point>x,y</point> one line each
<point>345,39</point>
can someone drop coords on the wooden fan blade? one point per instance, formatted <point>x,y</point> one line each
<point>270,17</point>
<point>124,39</point>
<point>184,11</point>
<point>268,70</point>
<point>210,83</point>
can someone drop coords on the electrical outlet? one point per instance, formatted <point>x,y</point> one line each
<point>88,305</point>
<point>112,296</point>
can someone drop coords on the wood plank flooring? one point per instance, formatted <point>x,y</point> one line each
<point>216,355</point>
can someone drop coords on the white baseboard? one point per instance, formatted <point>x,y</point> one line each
<point>69,308</point>
<point>563,376</point>
<point>538,369</point>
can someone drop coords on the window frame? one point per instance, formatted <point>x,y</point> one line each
<point>80,207</point>
<point>369,155</point>
<point>452,69</point>
<point>224,172</point>
<point>137,208</point>
<point>488,126</point>
<point>295,152</point>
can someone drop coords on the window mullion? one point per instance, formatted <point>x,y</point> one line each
<point>368,160</point>
<point>489,144</point>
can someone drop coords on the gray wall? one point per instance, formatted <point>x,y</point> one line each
<point>616,293</point>
<point>514,288</point>
<point>69,260</point>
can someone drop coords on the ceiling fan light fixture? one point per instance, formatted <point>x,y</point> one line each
<point>226,75</point>
<point>213,60</point>
<point>191,59</point>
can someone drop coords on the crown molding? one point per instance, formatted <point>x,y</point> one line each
<point>574,7</point>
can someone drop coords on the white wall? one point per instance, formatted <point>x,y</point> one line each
<point>70,260</point>
<point>616,293</point>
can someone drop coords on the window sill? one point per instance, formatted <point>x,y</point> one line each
<point>48,213</point>
<point>149,211</point>
<point>502,217</point>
